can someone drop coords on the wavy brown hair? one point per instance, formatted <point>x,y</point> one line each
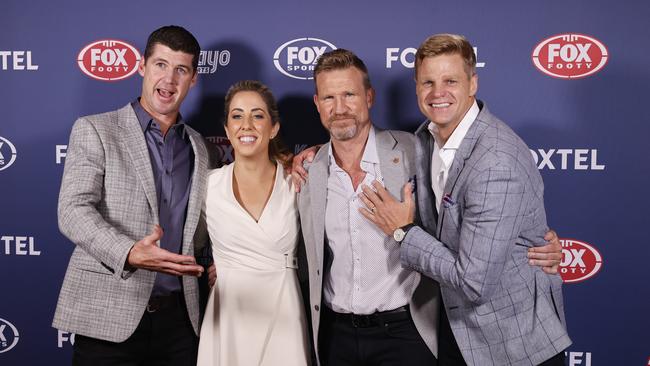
<point>277,149</point>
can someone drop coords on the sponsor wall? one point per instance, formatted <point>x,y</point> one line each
<point>570,78</point>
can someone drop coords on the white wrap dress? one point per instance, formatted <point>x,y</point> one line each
<point>255,314</point>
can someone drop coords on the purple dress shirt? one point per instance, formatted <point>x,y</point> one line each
<point>172,163</point>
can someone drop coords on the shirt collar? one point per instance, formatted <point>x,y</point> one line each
<point>145,119</point>
<point>369,151</point>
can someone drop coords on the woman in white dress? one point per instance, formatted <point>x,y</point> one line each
<point>255,314</point>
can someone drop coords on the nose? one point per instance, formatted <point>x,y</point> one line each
<point>169,75</point>
<point>247,123</point>
<point>438,90</point>
<point>339,106</point>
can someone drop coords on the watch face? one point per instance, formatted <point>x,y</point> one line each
<point>399,234</point>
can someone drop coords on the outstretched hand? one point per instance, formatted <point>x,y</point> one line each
<point>147,254</point>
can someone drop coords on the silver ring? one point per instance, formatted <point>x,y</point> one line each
<point>373,209</point>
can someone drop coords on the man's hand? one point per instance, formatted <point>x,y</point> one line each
<point>298,173</point>
<point>384,210</point>
<point>146,254</point>
<point>212,275</point>
<point>548,256</point>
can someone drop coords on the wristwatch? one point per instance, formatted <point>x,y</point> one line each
<point>400,233</point>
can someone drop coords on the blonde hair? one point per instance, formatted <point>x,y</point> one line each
<point>445,44</point>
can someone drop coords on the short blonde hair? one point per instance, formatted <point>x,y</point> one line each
<point>446,44</point>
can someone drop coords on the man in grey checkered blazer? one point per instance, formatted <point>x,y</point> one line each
<point>481,206</point>
<point>131,197</point>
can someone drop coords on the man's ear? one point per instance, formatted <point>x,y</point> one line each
<point>141,66</point>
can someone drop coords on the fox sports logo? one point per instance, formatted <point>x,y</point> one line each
<point>297,58</point>
<point>8,336</point>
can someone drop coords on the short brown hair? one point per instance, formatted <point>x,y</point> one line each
<point>277,149</point>
<point>178,39</point>
<point>340,59</point>
<point>445,44</point>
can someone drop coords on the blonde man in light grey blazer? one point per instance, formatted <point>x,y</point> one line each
<point>481,206</point>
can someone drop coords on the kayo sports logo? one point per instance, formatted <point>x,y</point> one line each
<point>297,58</point>
<point>109,60</point>
<point>570,56</point>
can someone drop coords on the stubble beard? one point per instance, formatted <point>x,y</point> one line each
<point>345,132</point>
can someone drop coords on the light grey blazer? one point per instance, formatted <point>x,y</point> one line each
<point>107,203</point>
<point>502,311</point>
<point>396,150</point>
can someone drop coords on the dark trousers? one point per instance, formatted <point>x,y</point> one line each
<point>375,340</point>
<point>163,337</point>
<point>449,354</point>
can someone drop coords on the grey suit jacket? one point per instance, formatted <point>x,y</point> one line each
<point>502,311</point>
<point>107,203</point>
<point>396,151</point>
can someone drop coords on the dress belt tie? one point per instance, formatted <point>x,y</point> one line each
<point>291,261</point>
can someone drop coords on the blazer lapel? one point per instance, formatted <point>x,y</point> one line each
<point>462,154</point>
<point>391,162</point>
<point>425,197</point>
<point>197,189</point>
<point>136,146</point>
<point>318,174</point>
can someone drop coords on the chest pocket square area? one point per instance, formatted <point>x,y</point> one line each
<point>447,201</point>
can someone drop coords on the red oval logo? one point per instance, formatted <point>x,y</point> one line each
<point>570,56</point>
<point>109,60</point>
<point>580,261</point>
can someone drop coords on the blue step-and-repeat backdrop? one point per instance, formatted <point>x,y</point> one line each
<point>571,77</point>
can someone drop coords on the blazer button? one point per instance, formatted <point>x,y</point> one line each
<point>317,272</point>
<point>316,307</point>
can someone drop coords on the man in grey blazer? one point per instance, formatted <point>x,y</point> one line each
<point>133,185</point>
<point>481,206</point>
<point>364,307</point>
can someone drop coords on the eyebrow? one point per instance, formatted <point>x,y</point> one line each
<point>252,110</point>
<point>156,59</point>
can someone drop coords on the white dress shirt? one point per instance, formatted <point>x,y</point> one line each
<point>366,274</point>
<point>443,157</point>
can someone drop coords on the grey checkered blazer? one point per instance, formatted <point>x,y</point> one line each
<point>108,202</point>
<point>502,311</point>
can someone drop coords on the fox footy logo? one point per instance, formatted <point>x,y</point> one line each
<point>580,261</point>
<point>109,60</point>
<point>570,56</point>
